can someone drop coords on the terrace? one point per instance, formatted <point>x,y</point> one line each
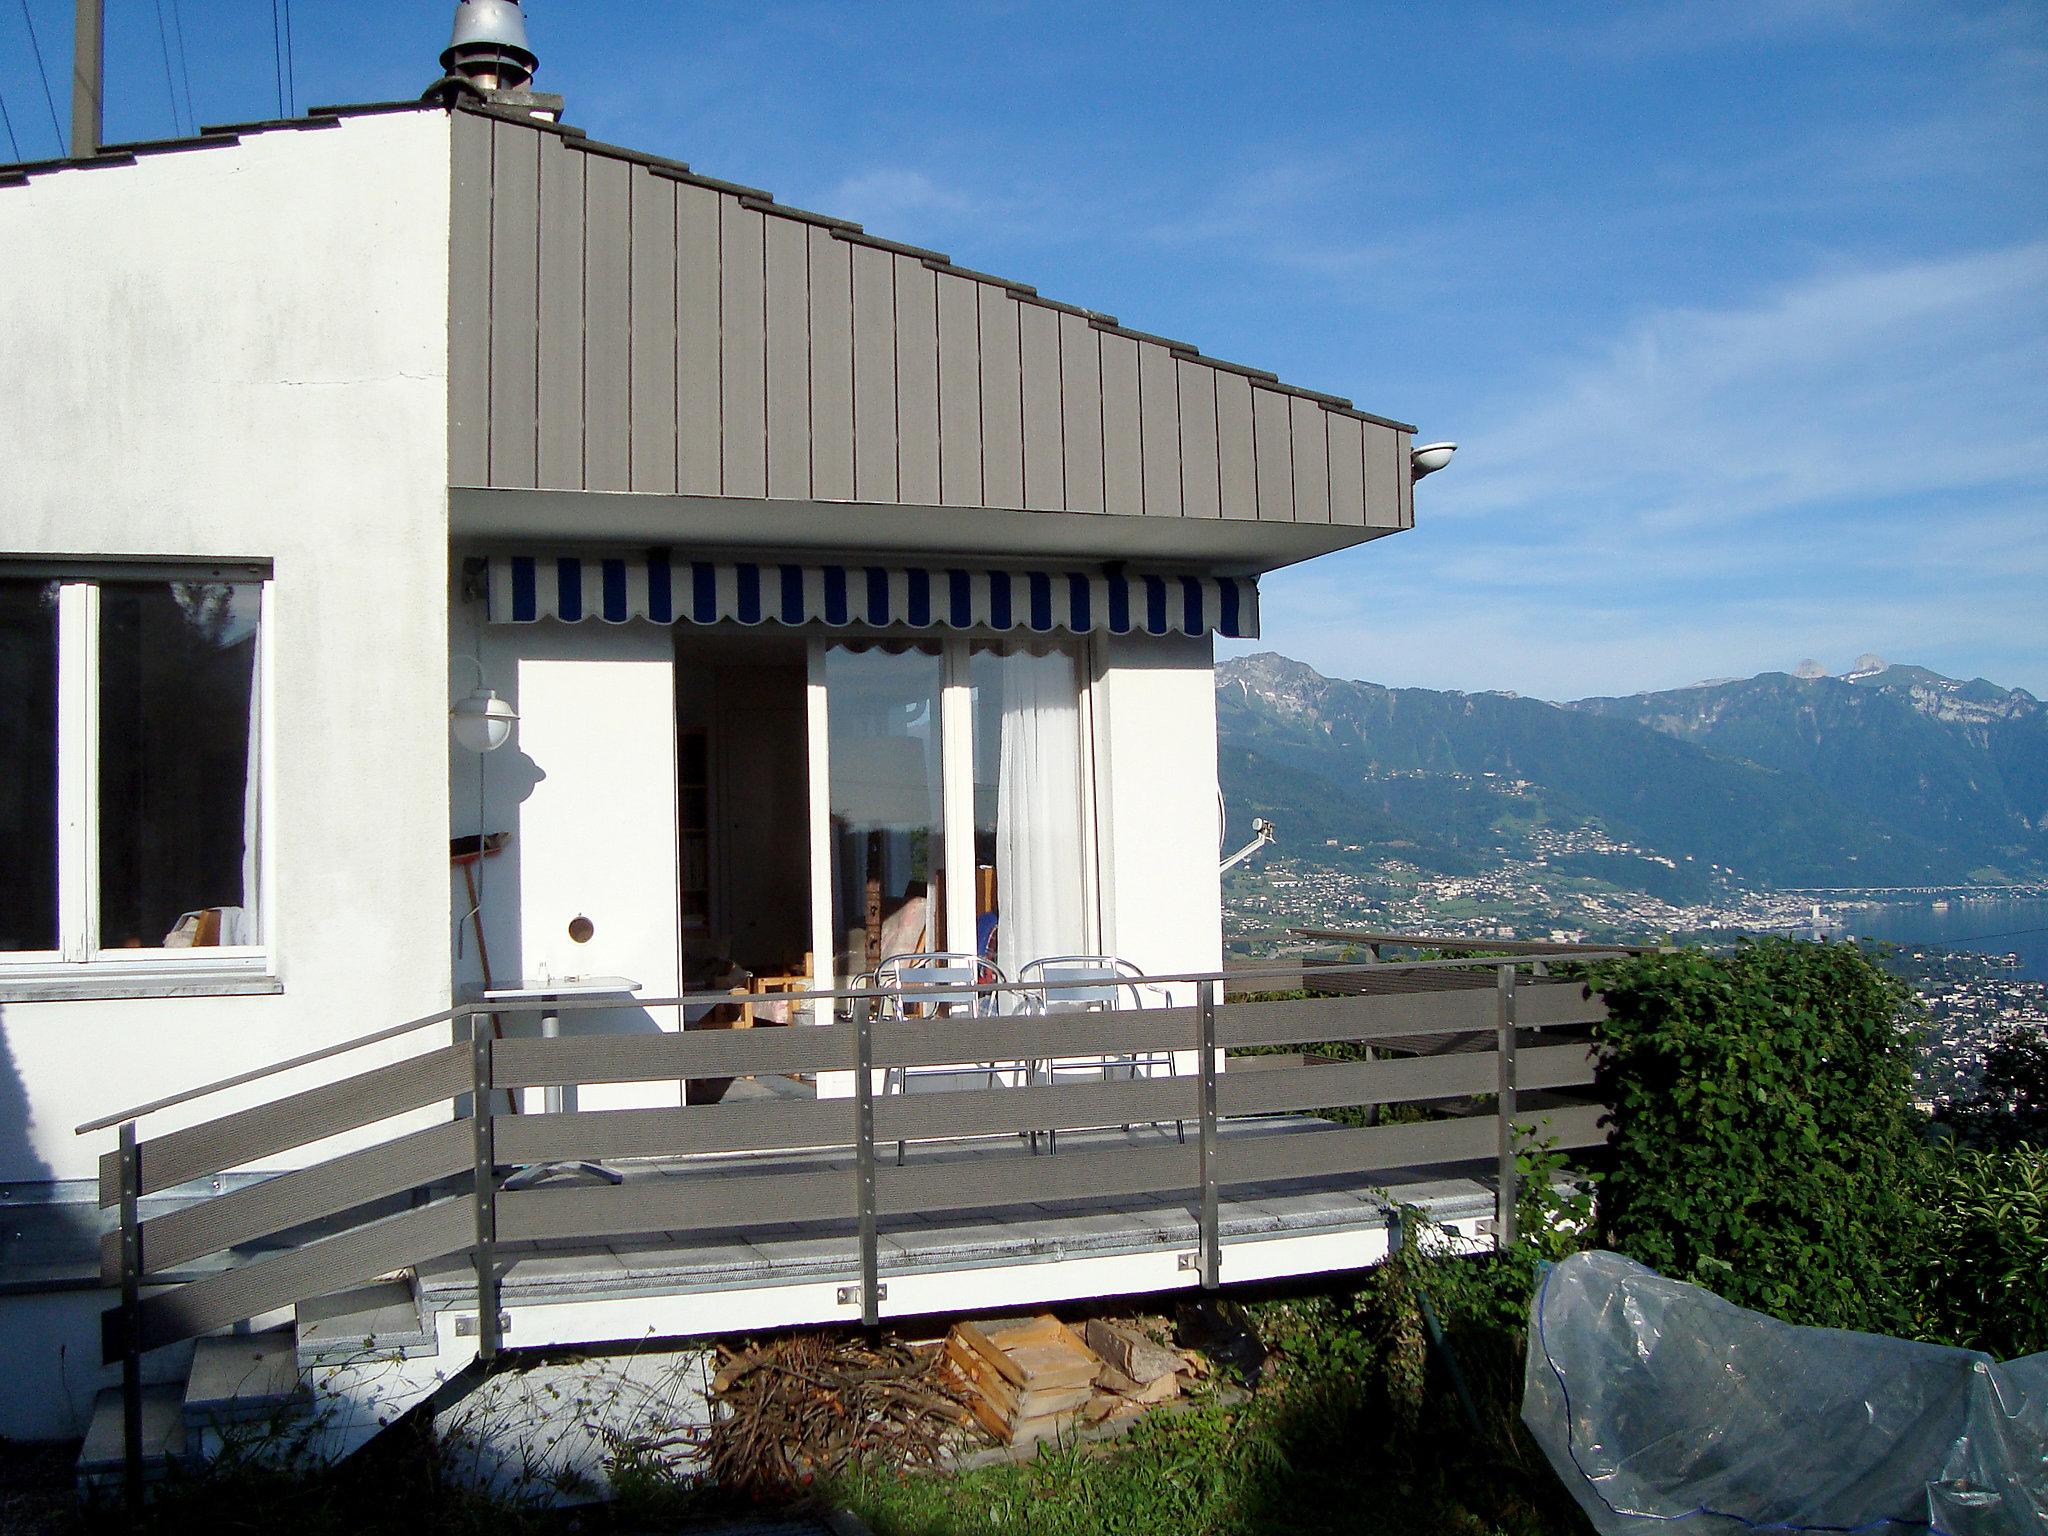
<point>812,1196</point>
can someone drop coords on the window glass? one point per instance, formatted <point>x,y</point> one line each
<point>177,770</point>
<point>28,764</point>
<point>1029,870</point>
<point>888,841</point>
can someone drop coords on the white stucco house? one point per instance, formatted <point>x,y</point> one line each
<point>848,600</point>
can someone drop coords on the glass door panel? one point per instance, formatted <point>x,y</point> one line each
<point>886,803</point>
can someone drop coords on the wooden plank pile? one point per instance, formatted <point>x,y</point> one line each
<point>1030,1379</point>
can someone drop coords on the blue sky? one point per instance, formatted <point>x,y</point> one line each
<point>1740,312</point>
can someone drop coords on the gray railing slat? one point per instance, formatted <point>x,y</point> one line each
<point>1039,1107</point>
<point>1319,1154</point>
<point>1392,1014</point>
<point>1553,1066</point>
<point>330,1264</point>
<point>1305,1021</point>
<point>921,1042</point>
<point>1571,1125</point>
<point>658,1204</point>
<point>596,1135</point>
<point>177,1157</point>
<point>288,1199</point>
<point>1022,1179</point>
<point>535,1063</point>
<point>1355,1082</point>
<point>1549,1004</point>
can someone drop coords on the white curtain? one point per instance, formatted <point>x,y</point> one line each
<point>1038,812</point>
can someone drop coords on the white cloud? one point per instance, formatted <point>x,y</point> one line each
<point>1857,461</point>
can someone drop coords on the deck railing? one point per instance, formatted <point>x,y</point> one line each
<point>1485,1049</point>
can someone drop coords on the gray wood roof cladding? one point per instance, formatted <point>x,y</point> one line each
<point>621,324</point>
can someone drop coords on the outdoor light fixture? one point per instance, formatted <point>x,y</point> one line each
<point>1430,458</point>
<point>483,721</point>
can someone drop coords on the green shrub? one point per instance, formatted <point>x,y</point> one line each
<point>1765,1142</point>
<point>1980,1272</point>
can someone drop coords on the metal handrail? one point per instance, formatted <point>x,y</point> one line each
<point>171,1101</point>
<point>1559,947</point>
<point>1283,972</point>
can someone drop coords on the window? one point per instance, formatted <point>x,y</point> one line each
<point>130,772</point>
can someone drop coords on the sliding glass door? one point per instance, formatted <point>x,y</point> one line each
<point>955,803</point>
<point>1031,897</point>
<point>886,802</point>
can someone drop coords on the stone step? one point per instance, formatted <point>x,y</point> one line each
<point>382,1318</point>
<point>102,1461</point>
<point>246,1379</point>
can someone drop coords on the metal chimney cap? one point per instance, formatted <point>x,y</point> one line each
<point>486,29</point>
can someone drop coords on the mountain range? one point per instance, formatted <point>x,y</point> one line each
<point>1882,776</point>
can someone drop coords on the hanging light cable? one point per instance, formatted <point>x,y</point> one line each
<point>163,43</point>
<point>42,74</point>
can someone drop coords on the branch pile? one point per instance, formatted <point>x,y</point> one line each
<point>803,1405</point>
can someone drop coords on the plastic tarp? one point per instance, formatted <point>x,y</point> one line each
<point>1662,1406</point>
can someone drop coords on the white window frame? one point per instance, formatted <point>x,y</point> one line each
<point>80,966</point>
<point>956,773</point>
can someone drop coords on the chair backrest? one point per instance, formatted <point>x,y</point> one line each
<point>1083,981</point>
<point>939,981</point>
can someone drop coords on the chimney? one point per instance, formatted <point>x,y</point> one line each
<point>487,57</point>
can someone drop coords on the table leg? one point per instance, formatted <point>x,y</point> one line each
<point>556,1098</point>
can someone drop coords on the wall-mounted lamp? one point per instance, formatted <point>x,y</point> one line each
<point>1430,458</point>
<point>482,722</point>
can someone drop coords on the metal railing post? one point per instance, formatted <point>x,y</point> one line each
<point>130,1158</point>
<point>484,1193</point>
<point>1212,1242</point>
<point>1505,1235</point>
<point>864,1156</point>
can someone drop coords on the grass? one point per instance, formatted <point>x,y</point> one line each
<point>1353,1427</point>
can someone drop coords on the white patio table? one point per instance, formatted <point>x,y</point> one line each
<point>556,1097</point>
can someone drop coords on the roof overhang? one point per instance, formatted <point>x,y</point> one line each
<point>481,517</point>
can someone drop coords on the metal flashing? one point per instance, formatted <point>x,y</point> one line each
<point>931,258</point>
<point>801,215</point>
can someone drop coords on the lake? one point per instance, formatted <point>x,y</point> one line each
<point>1990,927</point>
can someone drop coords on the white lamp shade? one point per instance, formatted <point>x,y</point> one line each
<point>483,721</point>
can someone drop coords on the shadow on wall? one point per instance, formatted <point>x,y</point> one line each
<point>19,1162</point>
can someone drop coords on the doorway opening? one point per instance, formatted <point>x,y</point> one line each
<point>743,815</point>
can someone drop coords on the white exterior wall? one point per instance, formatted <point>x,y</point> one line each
<point>1155,795</point>
<point>586,788</point>
<point>242,352</point>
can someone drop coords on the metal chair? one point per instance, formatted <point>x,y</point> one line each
<point>1094,984</point>
<point>940,984</point>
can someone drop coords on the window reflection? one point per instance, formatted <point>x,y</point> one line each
<point>28,764</point>
<point>177,764</point>
<point>888,893</point>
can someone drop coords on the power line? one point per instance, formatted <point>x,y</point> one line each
<point>44,75</point>
<point>277,54</point>
<point>291,72</point>
<point>1968,938</point>
<point>184,64</point>
<point>163,43</point>
<point>13,144</point>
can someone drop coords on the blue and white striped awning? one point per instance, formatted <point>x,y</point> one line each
<point>666,590</point>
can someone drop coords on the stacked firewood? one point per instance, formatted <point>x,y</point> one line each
<point>802,1405</point>
<point>1031,1379</point>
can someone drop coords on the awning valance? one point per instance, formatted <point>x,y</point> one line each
<point>667,590</point>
